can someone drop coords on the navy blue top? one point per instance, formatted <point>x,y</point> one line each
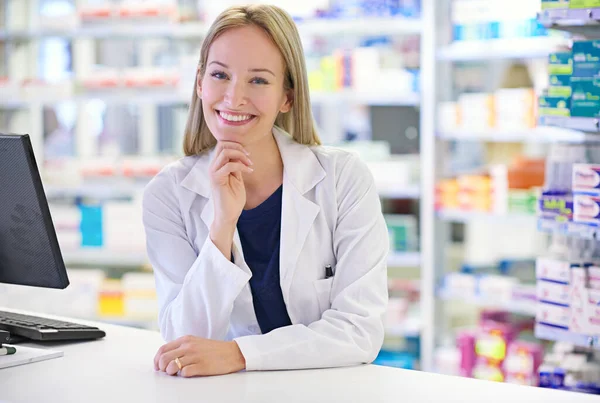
<point>260,231</point>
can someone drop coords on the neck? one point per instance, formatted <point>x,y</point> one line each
<point>268,165</point>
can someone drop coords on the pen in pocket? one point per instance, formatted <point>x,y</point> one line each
<point>6,350</point>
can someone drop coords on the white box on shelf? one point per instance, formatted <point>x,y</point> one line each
<point>460,284</point>
<point>586,178</point>
<point>553,315</point>
<point>552,269</point>
<point>586,209</point>
<point>497,288</point>
<point>553,292</point>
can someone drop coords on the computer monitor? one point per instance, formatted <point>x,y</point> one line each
<point>29,250</point>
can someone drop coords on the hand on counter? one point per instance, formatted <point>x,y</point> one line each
<point>194,356</point>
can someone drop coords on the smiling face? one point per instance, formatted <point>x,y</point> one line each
<point>242,89</point>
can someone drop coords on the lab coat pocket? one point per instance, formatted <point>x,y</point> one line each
<point>323,289</point>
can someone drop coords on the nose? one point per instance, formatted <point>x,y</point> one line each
<point>235,95</point>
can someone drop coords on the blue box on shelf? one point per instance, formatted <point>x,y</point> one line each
<point>586,58</point>
<point>560,85</point>
<point>585,97</point>
<point>554,106</point>
<point>560,63</point>
<point>396,359</point>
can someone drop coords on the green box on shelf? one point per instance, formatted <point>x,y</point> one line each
<point>554,106</point>
<point>560,85</point>
<point>586,58</point>
<point>584,3</point>
<point>402,230</point>
<point>560,63</point>
<point>522,201</point>
<point>585,101</point>
<point>549,4</point>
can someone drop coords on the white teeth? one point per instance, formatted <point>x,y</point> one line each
<point>234,118</point>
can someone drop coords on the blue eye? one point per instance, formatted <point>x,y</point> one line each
<point>259,80</point>
<point>218,75</point>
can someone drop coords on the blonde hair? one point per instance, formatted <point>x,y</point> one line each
<point>280,27</point>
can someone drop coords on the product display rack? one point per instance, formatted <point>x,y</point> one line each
<point>435,228</point>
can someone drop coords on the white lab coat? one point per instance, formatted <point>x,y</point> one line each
<point>331,215</point>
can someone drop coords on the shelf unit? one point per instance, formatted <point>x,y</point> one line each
<point>518,48</point>
<point>540,134</point>
<point>435,229</point>
<point>459,216</point>
<point>197,30</point>
<point>527,309</point>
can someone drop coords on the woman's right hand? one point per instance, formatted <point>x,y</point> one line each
<point>228,191</point>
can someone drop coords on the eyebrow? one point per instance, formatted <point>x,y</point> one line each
<point>261,70</point>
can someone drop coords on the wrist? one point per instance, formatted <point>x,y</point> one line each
<point>238,359</point>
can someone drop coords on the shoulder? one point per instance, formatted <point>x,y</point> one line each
<point>343,165</point>
<point>166,183</point>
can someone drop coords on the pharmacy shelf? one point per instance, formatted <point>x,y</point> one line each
<point>370,98</point>
<point>541,134</point>
<point>404,259</point>
<point>573,229</point>
<point>555,334</point>
<point>411,192</point>
<point>103,258</point>
<point>324,27</point>
<point>588,125</point>
<point>525,308</point>
<point>94,191</point>
<point>171,97</point>
<point>466,216</point>
<point>583,21</point>
<point>361,26</point>
<point>113,30</point>
<point>518,48</point>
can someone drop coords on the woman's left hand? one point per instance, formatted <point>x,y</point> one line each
<point>199,357</point>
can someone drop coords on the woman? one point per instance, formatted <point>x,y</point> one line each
<point>269,250</point>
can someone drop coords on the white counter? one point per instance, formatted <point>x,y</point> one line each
<point>119,368</point>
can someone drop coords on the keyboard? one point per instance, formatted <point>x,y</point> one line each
<point>43,329</point>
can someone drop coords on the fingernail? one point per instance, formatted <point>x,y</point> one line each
<point>250,169</point>
<point>247,153</point>
<point>250,161</point>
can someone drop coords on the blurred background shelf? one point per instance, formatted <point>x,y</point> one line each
<point>324,27</point>
<point>520,48</point>
<point>556,334</point>
<point>412,192</point>
<point>362,26</point>
<point>410,328</point>
<point>588,125</point>
<point>404,259</point>
<point>542,134</point>
<point>466,217</point>
<point>100,257</point>
<point>527,309</point>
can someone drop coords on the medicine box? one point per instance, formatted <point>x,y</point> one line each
<point>554,106</point>
<point>550,269</point>
<point>560,63</point>
<point>586,58</point>
<point>584,3</point>
<point>549,4</point>
<point>554,315</point>
<point>586,179</point>
<point>585,96</point>
<point>554,293</point>
<point>586,209</point>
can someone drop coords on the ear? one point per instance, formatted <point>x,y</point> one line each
<point>198,84</point>
<point>289,101</point>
